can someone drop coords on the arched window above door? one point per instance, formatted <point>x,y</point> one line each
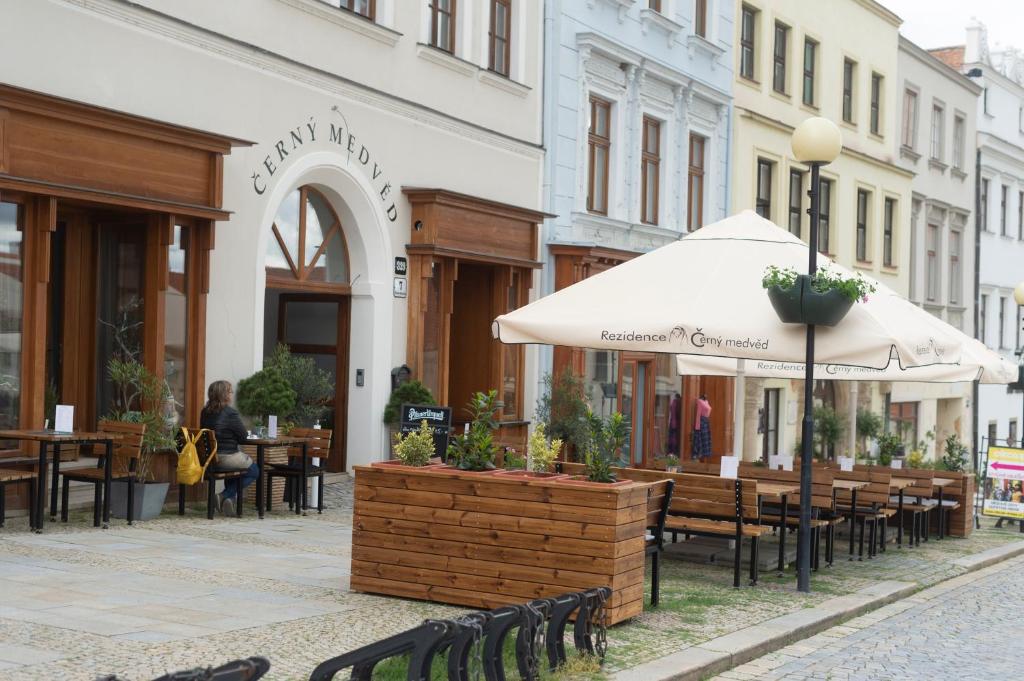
<point>307,244</point>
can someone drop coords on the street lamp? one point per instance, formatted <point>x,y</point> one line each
<point>816,142</point>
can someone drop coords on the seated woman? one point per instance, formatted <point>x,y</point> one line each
<point>226,423</point>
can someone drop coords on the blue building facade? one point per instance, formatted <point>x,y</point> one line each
<point>637,116</point>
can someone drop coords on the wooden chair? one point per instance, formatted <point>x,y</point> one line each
<point>206,445</point>
<point>872,505</point>
<point>659,497</point>
<point>12,476</point>
<point>125,452</point>
<point>917,502</point>
<point>318,445</point>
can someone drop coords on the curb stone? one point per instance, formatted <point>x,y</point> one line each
<point>739,647</point>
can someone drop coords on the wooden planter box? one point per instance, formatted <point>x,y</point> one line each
<point>485,541</point>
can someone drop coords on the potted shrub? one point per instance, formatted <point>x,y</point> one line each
<point>869,425</point>
<point>954,458</point>
<point>563,409</point>
<point>822,300</point>
<point>312,385</point>
<point>265,393</point>
<point>672,463</point>
<point>474,450</point>
<point>412,450</point>
<point>541,456</point>
<point>604,450</point>
<point>140,397</point>
<point>828,429</point>
<point>889,445</point>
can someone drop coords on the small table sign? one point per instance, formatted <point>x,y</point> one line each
<point>64,418</point>
<point>730,466</point>
<point>272,427</point>
<point>846,463</point>
<point>780,461</point>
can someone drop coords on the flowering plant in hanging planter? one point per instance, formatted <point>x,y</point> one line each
<point>822,300</point>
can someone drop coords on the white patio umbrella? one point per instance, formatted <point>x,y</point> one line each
<point>702,295</point>
<point>977,362</point>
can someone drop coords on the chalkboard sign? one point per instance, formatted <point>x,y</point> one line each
<point>439,419</point>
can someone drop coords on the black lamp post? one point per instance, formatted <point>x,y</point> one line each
<point>816,142</point>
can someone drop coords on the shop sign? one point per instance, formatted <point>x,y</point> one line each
<point>438,418</point>
<point>1004,494</point>
<point>336,133</point>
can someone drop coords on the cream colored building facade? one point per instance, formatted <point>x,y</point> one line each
<point>794,61</point>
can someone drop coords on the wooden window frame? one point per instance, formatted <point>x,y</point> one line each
<point>1002,322</point>
<point>810,72</point>
<point>765,201</point>
<point>493,37</point>
<point>861,232</point>
<point>796,210</point>
<point>301,270</point>
<point>650,163</point>
<point>700,18</point>
<point>371,12</point>
<point>780,58</point>
<point>748,43</point>
<point>982,321</point>
<point>695,181</point>
<point>983,216</point>
<point>594,141</point>
<point>875,118</point>
<point>849,88</point>
<point>435,12</point>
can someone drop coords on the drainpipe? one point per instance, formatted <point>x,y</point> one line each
<point>975,391</point>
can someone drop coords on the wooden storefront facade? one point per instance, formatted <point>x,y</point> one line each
<point>107,222</point>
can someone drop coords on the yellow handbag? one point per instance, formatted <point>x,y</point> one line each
<point>190,471</point>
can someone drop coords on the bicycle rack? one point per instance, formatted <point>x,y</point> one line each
<point>420,643</point>
<point>561,609</point>
<point>248,669</point>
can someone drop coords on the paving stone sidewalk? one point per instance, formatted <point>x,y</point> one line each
<point>172,593</point>
<point>956,630</point>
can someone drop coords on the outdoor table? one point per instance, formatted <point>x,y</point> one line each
<point>45,438</point>
<point>780,491</point>
<point>898,485</point>
<point>941,483</point>
<point>261,444</point>
<point>851,486</point>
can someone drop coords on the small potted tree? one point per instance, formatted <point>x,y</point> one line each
<point>474,451</point>
<point>821,300</point>
<point>604,451</point>
<point>889,446</point>
<point>412,450</point>
<point>541,456</point>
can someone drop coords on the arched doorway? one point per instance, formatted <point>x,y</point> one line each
<point>306,304</point>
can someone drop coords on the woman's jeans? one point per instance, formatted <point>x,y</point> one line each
<point>232,486</point>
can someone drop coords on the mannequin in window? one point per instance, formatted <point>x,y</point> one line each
<point>701,449</point>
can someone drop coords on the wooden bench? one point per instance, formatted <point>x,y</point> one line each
<point>659,497</point>
<point>872,505</point>
<point>706,506</point>
<point>917,501</point>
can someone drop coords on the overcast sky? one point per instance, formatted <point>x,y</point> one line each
<point>940,23</point>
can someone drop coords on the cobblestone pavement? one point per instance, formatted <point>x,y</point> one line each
<point>173,593</point>
<point>952,631</point>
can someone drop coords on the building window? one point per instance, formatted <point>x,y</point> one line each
<point>956,244</point>
<point>1011,439</point>
<point>600,141</point>
<point>650,159</point>
<point>982,319</point>
<point>747,41</point>
<point>903,421</point>
<point>887,233</point>
<point>796,200</point>
<point>1020,216</point>
<point>984,100</point>
<point>11,309</point>
<point>938,131</point>
<point>862,225</point>
<point>501,35</point>
<point>849,69</point>
<point>992,432</point>
<point>695,184</point>
<point>983,217</point>
<point>909,119</point>
<point>779,57</point>
<point>511,359</point>
<point>176,318</point>
<point>700,18</point>
<point>1020,321</point>
<point>1002,322</point>
<point>1002,210</point>
<point>810,63</point>
<point>654,4</point>
<point>442,24</point>
<point>763,204</point>
<point>931,268</point>
<point>824,215</point>
<point>876,104</point>
<point>959,140</point>
<point>364,8</point>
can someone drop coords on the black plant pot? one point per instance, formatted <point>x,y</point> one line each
<point>801,304</point>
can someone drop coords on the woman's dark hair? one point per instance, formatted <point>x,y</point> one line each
<point>217,397</point>
<point>703,396</point>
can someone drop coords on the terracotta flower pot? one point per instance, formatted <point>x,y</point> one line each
<point>801,304</point>
<point>395,463</point>
<point>582,481</point>
<point>531,475</point>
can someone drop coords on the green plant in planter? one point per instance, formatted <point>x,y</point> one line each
<point>852,288</point>
<point>822,300</point>
<point>542,453</point>
<point>889,445</point>
<point>563,408</point>
<point>598,468</point>
<point>828,429</point>
<point>415,448</point>
<point>869,425</point>
<point>915,459</point>
<point>513,460</point>
<point>954,458</point>
<point>139,397</point>
<point>671,462</point>
<point>475,450</point>
<point>411,392</point>
<point>264,393</point>
<point>604,448</point>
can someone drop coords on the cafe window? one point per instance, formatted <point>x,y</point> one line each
<point>695,183</point>
<point>903,421</point>
<point>810,66</point>
<point>364,8</point>
<point>700,18</point>
<point>650,158</point>
<point>863,198</point>
<point>796,201</point>
<point>824,215</point>
<point>763,202</point>
<point>849,72</point>
<point>10,315</point>
<point>888,228</point>
<point>876,104</point>
<point>599,142</point>
<point>176,319</point>
<point>748,54</point>
<point>779,57</point>
<point>500,35</point>
<point>442,24</point>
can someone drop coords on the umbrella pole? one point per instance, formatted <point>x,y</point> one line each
<point>803,552</point>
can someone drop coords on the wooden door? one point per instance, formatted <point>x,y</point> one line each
<point>719,391</point>
<point>636,402</point>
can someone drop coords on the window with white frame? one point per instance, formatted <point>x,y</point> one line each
<point>931,265</point>
<point>956,277</point>
<point>863,201</point>
<point>959,141</point>
<point>748,42</point>
<point>938,131</point>
<point>1004,193</point>
<point>780,57</point>
<point>888,233</point>
<point>763,200</point>
<point>983,319</point>
<point>909,119</point>
<point>1002,321</point>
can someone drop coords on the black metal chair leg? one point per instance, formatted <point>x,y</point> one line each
<point>181,499</point>
<point>131,499</point>
<point>238,500</point>
<point>3,503</point>
<point>860,549</point>
<point>65,494</point>
<point>97,497</point>
<point>267,497</point>
<point>211,496</point>
<point>655,578</point>
<point>33,520</point>
<point>320,491</point>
